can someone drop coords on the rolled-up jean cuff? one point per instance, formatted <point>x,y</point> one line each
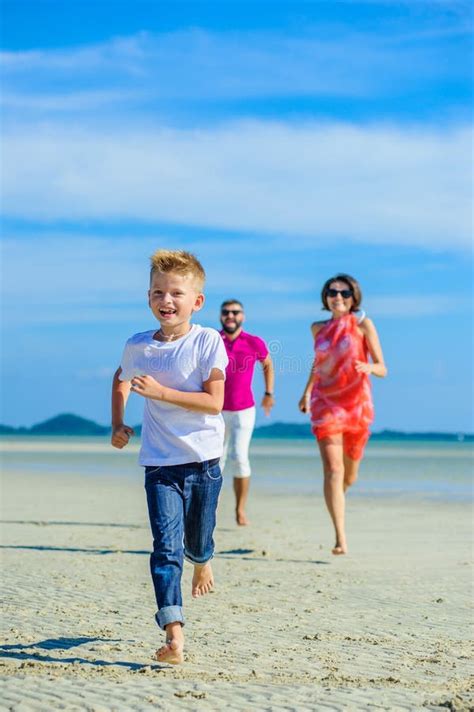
<point>196,561</point>
<point>169,614</point>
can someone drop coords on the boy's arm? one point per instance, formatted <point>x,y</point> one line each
<point>268,400</point>
<point>210,400</point>
<point>120,392</point>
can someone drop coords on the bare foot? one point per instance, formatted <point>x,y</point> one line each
<point>241,518</point>
<point>340,549</point>
<point>203,580</point>
<point>172,651</point>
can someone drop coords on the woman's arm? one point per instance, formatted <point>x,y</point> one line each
<point>377,367</point>
<point>210,400</point>
<point>303,404</point>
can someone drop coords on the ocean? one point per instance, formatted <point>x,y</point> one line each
<point>442,470</point>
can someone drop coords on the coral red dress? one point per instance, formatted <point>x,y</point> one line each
<point>341,399</point>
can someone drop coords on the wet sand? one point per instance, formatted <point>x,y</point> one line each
<point>289,627</point>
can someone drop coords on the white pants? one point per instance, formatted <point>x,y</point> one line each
<point>239,425</point>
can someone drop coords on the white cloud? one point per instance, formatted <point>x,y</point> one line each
<point>76,279</point>
<point>386,306</point>
<point>197,64</point>
<point>116,53</point>
<point>95,374</point>
<point>413,306</point>
<point>378,184</point>
<point>334,60</point>
<point>70,101</point>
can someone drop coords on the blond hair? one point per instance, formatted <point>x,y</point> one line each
<point>178,261</point>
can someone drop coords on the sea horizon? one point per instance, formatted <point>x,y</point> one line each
<point>440,470</point>
<point>72,425</point>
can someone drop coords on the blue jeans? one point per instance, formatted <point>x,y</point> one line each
<point>182,502</point>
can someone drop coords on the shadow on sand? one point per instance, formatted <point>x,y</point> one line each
<point>44,523</point>
<point>241,554</point>
<point>17,652</point>
<point>75,550</point>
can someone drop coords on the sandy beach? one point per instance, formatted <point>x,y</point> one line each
<point>289,627</point>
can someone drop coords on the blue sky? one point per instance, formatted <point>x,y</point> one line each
<point>281,142</point>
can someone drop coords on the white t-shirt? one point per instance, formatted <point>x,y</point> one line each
<point>172,435</point>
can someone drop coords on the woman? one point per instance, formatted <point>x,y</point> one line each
<point>338,392</point>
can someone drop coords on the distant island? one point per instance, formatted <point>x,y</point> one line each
<point>70,424</point>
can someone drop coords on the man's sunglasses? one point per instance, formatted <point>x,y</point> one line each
<point>234,312</point>
<point>345,293</point>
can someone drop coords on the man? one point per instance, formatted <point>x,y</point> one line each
<point>243,350</point>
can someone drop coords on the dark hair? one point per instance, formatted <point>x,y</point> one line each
<point>231,301</point>
<point>353,284</point>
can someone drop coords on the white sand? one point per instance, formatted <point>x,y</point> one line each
<point>289,627</point>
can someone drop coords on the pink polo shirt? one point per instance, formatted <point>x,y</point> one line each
<point>242,352</point>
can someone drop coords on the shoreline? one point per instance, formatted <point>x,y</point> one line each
<point>439,472</point>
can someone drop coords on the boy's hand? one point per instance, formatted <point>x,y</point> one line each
<point>121,435</point>
<point>147,387</point>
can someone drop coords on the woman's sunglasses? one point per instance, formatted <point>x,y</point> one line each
<point>345,293</point>
<point>234,312</point>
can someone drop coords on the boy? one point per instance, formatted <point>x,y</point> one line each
<point>179,369</point>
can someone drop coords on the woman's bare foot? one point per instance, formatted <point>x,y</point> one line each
<point>172,651</point>
<point>241,518</point>
<point>203,580</point>
<point>340,548</point>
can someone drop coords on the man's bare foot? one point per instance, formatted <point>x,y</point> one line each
<point>241,489</point>
<point>203,580</point>
<point>241,518</point>
<point>172,651</point>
